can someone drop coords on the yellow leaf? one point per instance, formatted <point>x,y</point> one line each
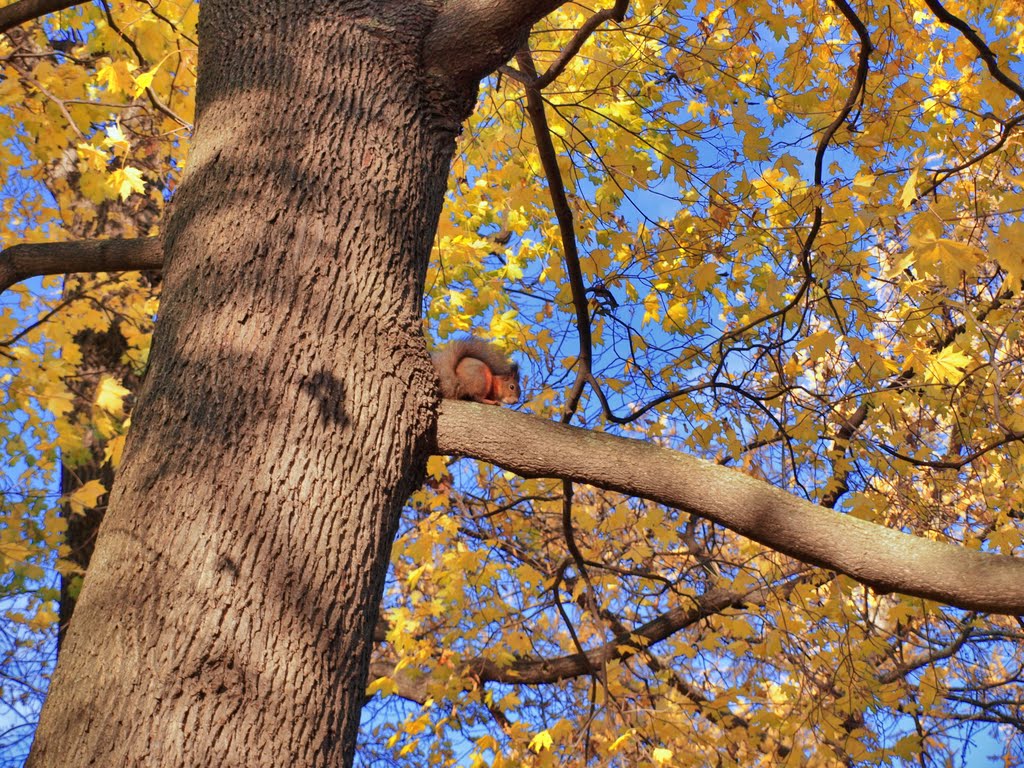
<point>58,403</point>
<point>143,81</point>
<point>437,467</point>
<point>385,685</point>
<point>909,194</point>
<point>704,276</point>
<point>93,157</point>
<point>115,76</point>
<point>408,748</point>
<point>110,396</point>
<point>115,138</point>
<point>677,314</point>
<point>414,576</point>
<point>15,551</point>
<point>756,146</point>
<point>106,426</point>
<point>908,747</point>
<point>818,344</point>
<point>126,180</point>
<point>113,450</point>
<point>514,268</point>
<point>662,755</point>
<point>864,182</point>
<point>45,617</point>
<point>652,308</point>
<point>86,497</point>
<point>615,745</point>
<point>947,366</point>
<point>541,742</point>
<point>947,259</point>
<point>1008,250</point>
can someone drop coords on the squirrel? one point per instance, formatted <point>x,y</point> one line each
<point>472,369</point>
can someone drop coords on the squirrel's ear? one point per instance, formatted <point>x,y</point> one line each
<point>515,369</point>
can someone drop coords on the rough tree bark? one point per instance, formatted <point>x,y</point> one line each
<point>290,403</point>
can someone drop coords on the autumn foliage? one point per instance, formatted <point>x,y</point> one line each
<point>785,237</point>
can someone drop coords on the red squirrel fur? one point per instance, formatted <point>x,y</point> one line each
<point>471,369</point>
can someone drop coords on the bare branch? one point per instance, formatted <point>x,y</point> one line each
<point>855,94</point>
<point>61,104</point>
<point>625,644</point>
<point>19,12</point>
<point>31,260</point>
<point>566,230</point>
<point>885,559</point>
<point>1011,436</point>
<point>807,247</point>
<point>859,83</point>
<point>534,671</point>
<point>941,174</point>
<point>987,55</point>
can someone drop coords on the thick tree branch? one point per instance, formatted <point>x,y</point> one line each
<point>20,262</point>
<point>472,38</point>
<point>21,11</point>
<point>885,559</point>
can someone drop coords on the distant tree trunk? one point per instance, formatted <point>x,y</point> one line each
<point>286,415</point>
<point>101,352</point>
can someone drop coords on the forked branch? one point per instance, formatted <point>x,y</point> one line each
<point>538,671</point>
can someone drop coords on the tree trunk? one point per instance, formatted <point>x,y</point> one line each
<point>227,616</point>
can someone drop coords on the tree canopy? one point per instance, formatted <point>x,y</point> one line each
<point>785,238</point>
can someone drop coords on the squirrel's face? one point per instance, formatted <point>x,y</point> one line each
<point>512,389</point>
<point>510,396</point>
